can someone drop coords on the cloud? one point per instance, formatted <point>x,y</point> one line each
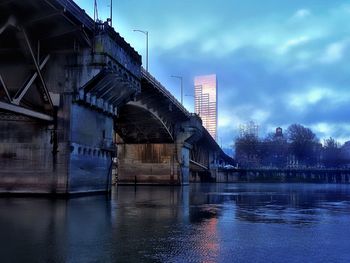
<point>322,127</point>
<point>301,13</point>
<point>260,116</point>
<point>340,131</point>
<point>334,52</point>
<point>291,43</point>
<point>312,96</point>
<point>301,100</point>
<point>345,8</point>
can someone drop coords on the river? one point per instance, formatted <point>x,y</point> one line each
<point>196,223</point>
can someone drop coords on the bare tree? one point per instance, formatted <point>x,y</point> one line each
<point>332,156</point>
<point>274,151</point>
<point>247,150</point>
<point>303,144</point>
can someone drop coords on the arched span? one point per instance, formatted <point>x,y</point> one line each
<point>138,124</point>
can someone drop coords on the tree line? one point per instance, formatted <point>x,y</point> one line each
<point>298,147</point>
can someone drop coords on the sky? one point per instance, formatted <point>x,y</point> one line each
<point>277,62</point>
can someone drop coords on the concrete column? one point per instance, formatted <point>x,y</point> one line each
<point>148,164</point>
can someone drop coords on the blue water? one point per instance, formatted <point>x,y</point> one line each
<point>198,223</point>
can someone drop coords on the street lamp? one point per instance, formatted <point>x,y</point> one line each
<point>180,78</point>
<point>145,33</point>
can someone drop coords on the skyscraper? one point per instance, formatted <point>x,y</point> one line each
<point>205,102</point>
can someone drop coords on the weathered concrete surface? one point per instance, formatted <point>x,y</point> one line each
<point>206,156</point>
<point>148,164</point>
<point>90,71</point>
<point>27,161</point>
<point>92,146</point>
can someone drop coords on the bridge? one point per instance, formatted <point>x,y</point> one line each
<point>74,97</point>
<point>282,175</point>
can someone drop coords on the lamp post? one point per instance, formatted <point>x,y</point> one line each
<point>180,78</point>
<point>146,34</point>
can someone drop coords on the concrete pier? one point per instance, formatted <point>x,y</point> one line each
<point>63,79</point>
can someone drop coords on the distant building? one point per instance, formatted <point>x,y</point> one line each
<point>279,132</point>
<point>205,97</point>
<point>250,128</point>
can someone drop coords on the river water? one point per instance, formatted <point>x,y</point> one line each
<point>196,223</point>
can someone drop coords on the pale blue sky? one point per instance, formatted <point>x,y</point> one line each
<point>277,62</point>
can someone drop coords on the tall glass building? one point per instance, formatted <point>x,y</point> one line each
<point>205,102</point>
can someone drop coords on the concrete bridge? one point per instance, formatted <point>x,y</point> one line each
<point>284,175</point>
<point>73,96</point>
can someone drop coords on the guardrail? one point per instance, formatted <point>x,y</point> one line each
<point>166,92</point>
<point>78,13</point>
<point>88,23</point>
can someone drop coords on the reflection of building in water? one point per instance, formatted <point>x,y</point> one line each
<point>205,102</point>
<point>209,242</point>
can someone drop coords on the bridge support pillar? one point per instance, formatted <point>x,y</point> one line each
<point>28,161</point>
<point>68,156</point>
<point>153,163</point>
<point>184,162</point>
<point>144,158</point>
<point>60,92</point>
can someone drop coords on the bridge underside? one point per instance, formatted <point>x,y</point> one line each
<point>31,32</point>
<point>67,86</point>
<point>62,79</point>
<point>137,125</point>
<point>154,134</point>
<point>159,142</point>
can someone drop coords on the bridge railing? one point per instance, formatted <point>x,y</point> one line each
<point>166,92</point>
<point>88,23</point>
<point>78,13</point>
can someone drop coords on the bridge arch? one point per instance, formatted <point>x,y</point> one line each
<point>136,123</point>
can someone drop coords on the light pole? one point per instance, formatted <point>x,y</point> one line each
<point>180,78</point>
<point>145,33</point>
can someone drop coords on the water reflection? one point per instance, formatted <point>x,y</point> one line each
<point>270,203</point>
<point>53,230</point>
<point>199,223</point>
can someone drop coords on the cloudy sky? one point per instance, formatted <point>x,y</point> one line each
<point>277,62</point>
